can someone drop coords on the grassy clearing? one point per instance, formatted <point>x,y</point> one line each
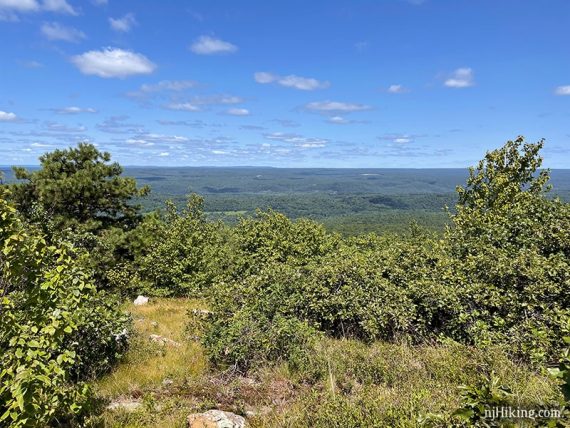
<point>374,385</point>
<point>147,365</point>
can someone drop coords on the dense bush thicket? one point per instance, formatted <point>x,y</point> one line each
<point>500,275</point>
<point>184,255</point>
<point>56,330</point>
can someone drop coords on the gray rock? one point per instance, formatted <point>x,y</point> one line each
<point>140,300</point>
<point>216,419</point>
<point>126,404</point>
<point>163,340</point>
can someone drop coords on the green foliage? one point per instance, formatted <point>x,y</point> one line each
<point>562,372</point>
<point>255,299</point>
<point>78,186</point>
<point>295,274</point>
<point>55,329</point>
<point>488,394</point>
<point>179,256</point>
<point>509,246</point>
<point>77,195</point>
<point>500,274</point>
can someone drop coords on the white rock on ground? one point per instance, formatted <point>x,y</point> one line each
<point>215,419</point>
<point>141,300</point>
<point>163,340</point>
<point>128,405</point>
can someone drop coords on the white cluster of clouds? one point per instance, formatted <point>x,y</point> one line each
<point>183,107</point>
<point>297,140</point>
<point>113,62</point>
<point>238,112</point>
<point>398,138</point>
<point>148,90</point>
<point>460,78</point>
<point>562,90</point>
<point>55,31</point>
<point>290,81</point>
<point>74,110</point>
<point>6,116</point>
<point>332,107</point>
<point>340,120</point>
<point>124,24</point>
<point>196,103</point>
<point>397,89</point>
<point>168,85</point>
<point>206,45</point>
<point>10,9</point>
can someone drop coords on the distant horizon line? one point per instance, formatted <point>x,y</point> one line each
<point>275,167</point>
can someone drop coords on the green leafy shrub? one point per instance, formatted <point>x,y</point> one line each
<point>271,238</point>
<point>255,300</point>
<point>499,276</point>
<point>368,288</point>
<point>509,250</point>
<point>56,331</point>
<point>182,258</point>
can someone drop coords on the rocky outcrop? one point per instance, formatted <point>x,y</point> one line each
<point>215,419</point>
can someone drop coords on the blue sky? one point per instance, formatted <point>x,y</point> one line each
<point>384,83</point>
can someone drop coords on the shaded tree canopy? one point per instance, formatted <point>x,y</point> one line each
<point>78,185</point>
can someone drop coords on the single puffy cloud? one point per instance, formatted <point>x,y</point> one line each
<point>56,31</point>
<point>460,78</point>
<point>124,24</point>
<point>206,45</point>
<point>113,62</point>
<point>195,103</point>
<point>7,116</point>
<point>397,89</point>
<point>297,140</point>
<point>290,81</point>
<point>20,5</point>
<point>264,77</point>
<point>331,107</point>
<point>238,112</point>
<point>74,110</point>
<point>168,85</point>
<point>183,107</point>
<point>338,120</point>
<point>562,90</point>
<point>60,6</point>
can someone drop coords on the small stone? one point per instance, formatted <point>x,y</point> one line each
<point>154,324</point>
<point>215,419</point>
<point>128,405</point>
<point>167,382</point>
<point>251,412</point>
<point>163,340</point>
<point>140,300</point>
